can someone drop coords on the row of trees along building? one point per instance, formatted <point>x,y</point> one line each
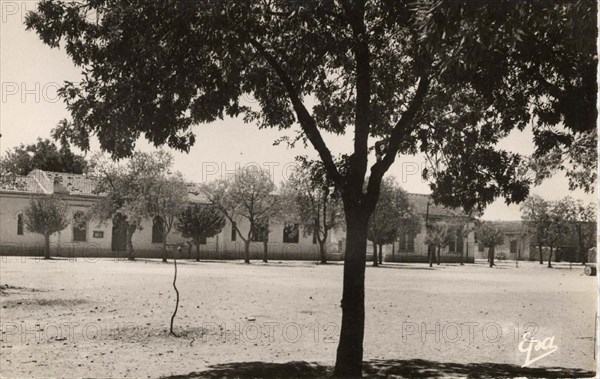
<point>560,223</point>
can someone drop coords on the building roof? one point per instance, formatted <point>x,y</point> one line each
<point>509,227</point>
<point>39,181</point>
<point>419,202</point>
<point>48,182</point>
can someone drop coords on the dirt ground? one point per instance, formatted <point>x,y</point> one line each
<point>105,318</point>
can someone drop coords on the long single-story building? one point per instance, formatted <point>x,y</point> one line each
<point>103,239</point>
<point>286,240</point>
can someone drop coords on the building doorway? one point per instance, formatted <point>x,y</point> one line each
<point>119,234</point>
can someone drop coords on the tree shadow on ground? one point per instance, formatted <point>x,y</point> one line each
<point>415,368</point>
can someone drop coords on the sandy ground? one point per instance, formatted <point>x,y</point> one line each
<point>102,318</point>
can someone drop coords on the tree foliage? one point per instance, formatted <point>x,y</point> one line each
<point>536,217</point>
<point>135,191</point>
<point>165,194</point>
<point>42,155</point>
<point>46,215</point>
<point>311,197</point>
<point>439,235</point>
<point>391,217</point>
<point>488,235</point>
<point>199,222</point>
<point>249,195</point>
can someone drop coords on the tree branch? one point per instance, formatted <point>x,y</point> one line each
<point>401,130</point>
<point>307,122</point>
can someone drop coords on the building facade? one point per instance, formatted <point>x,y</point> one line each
<point>105,239</point>
<point>286,240</point>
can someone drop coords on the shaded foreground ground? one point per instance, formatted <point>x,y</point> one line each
<point>103,318</point>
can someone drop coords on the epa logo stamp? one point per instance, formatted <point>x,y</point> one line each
<point>538,348</point>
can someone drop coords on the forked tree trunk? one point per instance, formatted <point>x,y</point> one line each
<point>380,254</point>
<point>247,251</point>
<point>491,254</point>
<point>46,245</point>
<point>322,252</point>
<point>350,349</point>
<point>375,262</point>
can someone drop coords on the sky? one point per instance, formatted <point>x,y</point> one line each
<point>31,73</point>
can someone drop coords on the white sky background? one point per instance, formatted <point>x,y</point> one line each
<point>31,72</point>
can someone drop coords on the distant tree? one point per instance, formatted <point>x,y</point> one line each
<point>438,235</point>
<point>43,155</point>
<point>165,194</point>
<point>199,222</point>
<point>262,229</point>
<point>126,190</point>
<point>558,227</point>
<point>121,199</point>
<point>460,228</point>
<point>313,199</point>
<point>489,236</point>
<point>248,195</point>
<point>582,219</point>
<point>535,215</point>
<point>46,216</point>
<point>386,222</point>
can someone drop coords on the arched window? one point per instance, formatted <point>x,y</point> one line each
<point>79,227</point>
<point>157,230</point>
<point>20,224</point>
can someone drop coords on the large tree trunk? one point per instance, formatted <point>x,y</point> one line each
<point>375,262</point>
<point>198,251</point>
<point>350,349</point>
<point>380,254</point>
<point>541,254</point>
<point>46,245</point>
<point>322,252</point>
<point>491,253</point>
<point>247,251</point>
<point>550,257</point>
<point>130,251</point>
